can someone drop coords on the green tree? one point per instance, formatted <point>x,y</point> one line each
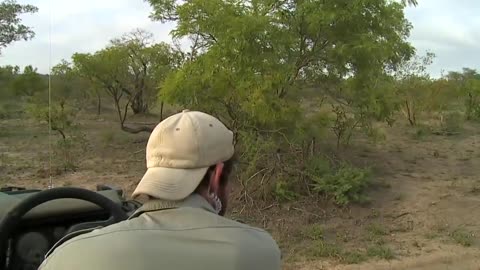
<point>57,110</point>
<point>412,83</point>
<point>467,83</point>
<point>7,76</point>
<point>104,69</point>
<point>148,64</point>
<point>255,71</point>
<point>62,119</point>
<point>11,28</point>
<point>62,77</point>
<point>67,84</point>
<point>130,70</point>
<point>29,82</point>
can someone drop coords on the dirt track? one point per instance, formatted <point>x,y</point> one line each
<point>456,258</point>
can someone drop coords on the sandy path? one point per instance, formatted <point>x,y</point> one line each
<point>453,258</point>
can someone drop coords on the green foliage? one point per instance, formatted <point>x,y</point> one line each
<point>4,114</point>
<point>318,167</point>
<point>11,28</point>
<point>29,83</point>
<point>345,185</point>
<point>452,122</point>
<point>344,125</point>
<point>67,85</point>
<point>419,95</point>
<point>60,115</point>
<point>71,142</point>
<point>7,76</point>
<point>353,257</point>
<point>444,96</point>
<point>257,151</point>
<point>468,84</point>
<point>376,134</point>
<point>377,230</point>
<point>108,136</point>
<point>472,102</point>
<point>412,84</point>
<point>256,71</point>
<point>381,252</point>
<point>314,232</point>
<point>422,131</point>
<point>254,68</point>
<point>462,237</point>
<point>146,65</point>
<point>323,249</point>
<point>10,110</point>
<point>283,191</point>
<point>68,152</point>
<point>131,68</point>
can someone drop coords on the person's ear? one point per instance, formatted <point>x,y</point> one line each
<point>215,180</point>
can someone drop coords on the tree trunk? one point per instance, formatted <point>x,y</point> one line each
<point>123,118</point>
<point>135,130</point>
<point>410,114</point>
<point>161,111</point>
<point>470,105</point>
<point>119,111</point>
<point>99,104</point>
<point>138,105</point>
<point>312,147</point>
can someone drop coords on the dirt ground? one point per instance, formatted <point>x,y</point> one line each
<point>424,214</point>
<point>449,259</point>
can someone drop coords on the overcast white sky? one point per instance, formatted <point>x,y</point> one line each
<point>448,28</point>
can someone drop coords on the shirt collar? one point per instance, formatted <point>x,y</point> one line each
<point>194,201</point>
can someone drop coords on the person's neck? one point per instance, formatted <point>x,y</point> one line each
<point>204,194</point>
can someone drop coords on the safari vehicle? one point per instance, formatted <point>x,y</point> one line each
<point>34,222</point>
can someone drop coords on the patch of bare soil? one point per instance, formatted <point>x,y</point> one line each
<point>454,258</point>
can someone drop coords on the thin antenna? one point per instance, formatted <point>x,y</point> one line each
<point>50,184</point>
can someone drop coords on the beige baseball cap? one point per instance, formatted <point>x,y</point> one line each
<point>180,150</point>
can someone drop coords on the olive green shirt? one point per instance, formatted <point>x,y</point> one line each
<point>170,235</point>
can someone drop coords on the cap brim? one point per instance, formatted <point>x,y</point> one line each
<point>168,183</point>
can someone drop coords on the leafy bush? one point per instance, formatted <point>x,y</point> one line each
<point>9,110</point>
<point>314,232</point>
<point>3,112</point>
<point>381,252</point>
<point>108,136</point>
<point>322,249</point>
<point>353,257</point>
<point>471,90</point>
<point>345,185</point>
<point>284,191</point>
<point>71,143</point>
<point>376,134</point>
<point>68,151</point>
<point>318,167</point>
<point>452,122</point>
<point>422,131</point>
<point>476,112</point>
<point>462,237</point>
